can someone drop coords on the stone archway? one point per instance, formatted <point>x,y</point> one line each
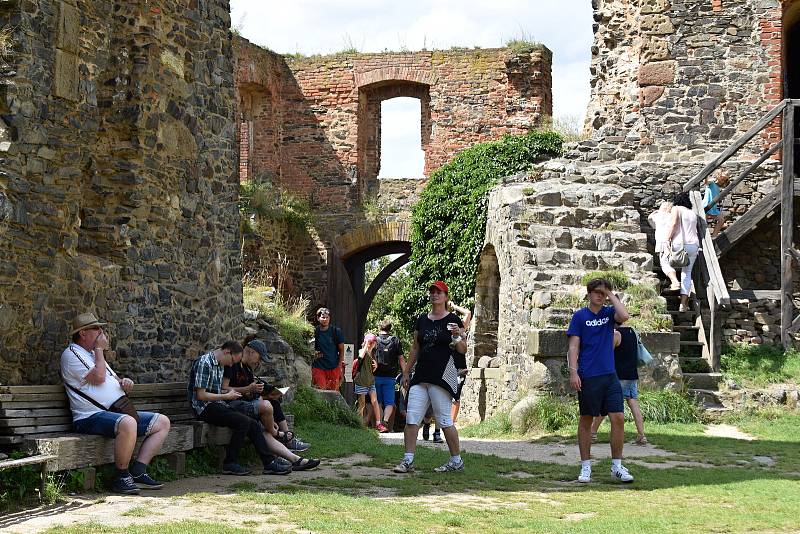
<point>487,306</point>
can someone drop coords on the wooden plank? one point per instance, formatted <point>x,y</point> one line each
<point>709,259</point>
<point>747,222</point>
<point>731,150</point>
<point>30,460</point>
<point>74,451</point>
<point>756,294</point>
<point>753,166</point>
<point>54,388</point>
<point>34,421</point>
<point>795,324</point>
<point>43,412</point>
<point>787,223</point>
<point>37,429</point>
<point>44,397</point>
<point>19,405</point>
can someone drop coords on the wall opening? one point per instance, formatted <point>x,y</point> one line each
<point>401,139</point>
<point>487,306</point>
<point>259,135</point>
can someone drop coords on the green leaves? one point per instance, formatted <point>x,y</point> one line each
<point>449,221</point>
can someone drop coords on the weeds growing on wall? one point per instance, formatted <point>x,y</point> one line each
<point>287,315</point>
<point>261,201</point>
<point>449,221</point>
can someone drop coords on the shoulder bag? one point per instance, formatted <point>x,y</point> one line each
<point>643,356</point>
<point>122,405</point>
<point>679,258</point>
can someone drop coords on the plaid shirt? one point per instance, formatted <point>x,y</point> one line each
<point>208,375</point>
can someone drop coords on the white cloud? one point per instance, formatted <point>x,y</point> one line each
<point>323,26</point>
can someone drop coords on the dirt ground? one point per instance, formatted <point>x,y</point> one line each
<point>178,500</point>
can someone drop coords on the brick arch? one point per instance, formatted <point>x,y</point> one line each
<point>394,74</point>
<point>372,235</point>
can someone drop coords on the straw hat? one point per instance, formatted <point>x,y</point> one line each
<point>84,321</point>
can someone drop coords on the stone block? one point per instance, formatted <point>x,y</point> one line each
<point>656,25</point>
<point>657,73</point>
<point>661,342</point>
<point>546,343</point>
<point>654,6</point>
<point>648,95</point>
<point>68,33</point>
<point>520,409</point>
<point>65,77</point>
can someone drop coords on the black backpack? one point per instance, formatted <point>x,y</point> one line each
<point>386,352</point>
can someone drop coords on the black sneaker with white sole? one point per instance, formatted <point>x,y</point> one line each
<point>124,485</point>
<point>145,481</point>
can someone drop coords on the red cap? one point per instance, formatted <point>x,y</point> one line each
<point>441,286</point>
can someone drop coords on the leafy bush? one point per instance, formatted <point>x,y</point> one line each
<point>287,315</point>
<point>662,406</point>
<point>307,406</point>
<point>759,365</point>
<point>619,279</point>
<point>449,221</point>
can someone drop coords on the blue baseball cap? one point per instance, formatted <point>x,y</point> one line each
<point>261,348</point>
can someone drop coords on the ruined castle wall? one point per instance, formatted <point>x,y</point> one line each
<point>118,183</point>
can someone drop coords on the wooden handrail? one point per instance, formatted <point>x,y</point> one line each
<point>727,191</point>
<point>731,150</point>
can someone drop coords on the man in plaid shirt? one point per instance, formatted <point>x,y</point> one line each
<point>209,404</point>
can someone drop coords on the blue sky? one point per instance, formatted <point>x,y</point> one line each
<point>327,26</point>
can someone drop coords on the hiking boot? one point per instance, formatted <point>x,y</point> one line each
<point>305,464</point>
<point>450,466</point>
<point>295,445</point>
<point>234,469</point>
<point>145,481</point>
<point>404,467</point>
<point>125,486</point>
<point>437,437</point>
<point>276,467</point>
<point>621,474</point>
<point>426,432</point>
<point>586,474</point>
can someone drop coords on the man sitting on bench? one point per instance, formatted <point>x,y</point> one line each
<point>94,390</point>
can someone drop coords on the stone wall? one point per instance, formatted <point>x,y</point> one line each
<point>119,183</point>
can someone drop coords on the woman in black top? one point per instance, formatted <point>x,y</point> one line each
<point>438,350</point>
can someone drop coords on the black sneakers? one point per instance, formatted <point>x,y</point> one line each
<point>277,468</point>
<point>235,469</point>
<point>145,481</point>
<point>124,485</point>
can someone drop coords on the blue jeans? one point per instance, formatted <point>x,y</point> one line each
<point>630,389</point>
<point>384,385</point>
<point>106,424</point>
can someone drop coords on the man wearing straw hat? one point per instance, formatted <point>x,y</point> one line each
<point>94,390</point>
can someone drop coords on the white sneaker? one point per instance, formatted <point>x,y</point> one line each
<point>450,466</point>
<point>404,467</point>
<point>586,474</point>
<point>621,473</point>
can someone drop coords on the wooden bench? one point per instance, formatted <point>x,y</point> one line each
<point>38,420</point>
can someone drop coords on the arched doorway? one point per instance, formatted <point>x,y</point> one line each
<point>791,65</point>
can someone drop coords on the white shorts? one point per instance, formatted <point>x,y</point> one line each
<point>420,396</point>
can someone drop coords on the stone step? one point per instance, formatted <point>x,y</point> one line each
<point>687,332</point>
<point>544,236</point>
<point>705,395</point>
<point>694,364</point>
<point>602,218</point>
<point>574,194</point>
<point>708,381</point>
<point>588,260</point>
<point>569,280</point>
<point>691,349</point>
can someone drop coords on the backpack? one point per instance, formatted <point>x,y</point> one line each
<point>386,352</point>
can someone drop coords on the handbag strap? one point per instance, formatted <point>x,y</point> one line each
<point>84,395</point>
<point>108,369</point>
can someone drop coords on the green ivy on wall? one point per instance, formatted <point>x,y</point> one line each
<point>449,221</point>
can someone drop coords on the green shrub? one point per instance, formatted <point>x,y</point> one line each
<point>550,413</point>
<point>662,406</point>
<point>618,279</point>
<point>288,316</point>
<point>271,203</point>
<point>307,406</point>
<point>759,365</point>
<point>449,221</point>
<point>492,427</point>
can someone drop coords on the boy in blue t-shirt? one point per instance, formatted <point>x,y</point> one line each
<point>592,373</point>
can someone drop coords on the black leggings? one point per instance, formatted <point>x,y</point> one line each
<point>219,414</point>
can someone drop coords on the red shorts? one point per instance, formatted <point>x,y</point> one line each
<point>329,379</point>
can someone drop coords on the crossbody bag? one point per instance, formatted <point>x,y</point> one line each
<point>679,258</point>
<point>122,405</point>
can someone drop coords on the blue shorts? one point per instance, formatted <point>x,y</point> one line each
<point>385,388</point>
<point>107,423</point>
<point>600,395</point>
<point>247,407</point>
<point>364,390</point>
<point>630,389</point>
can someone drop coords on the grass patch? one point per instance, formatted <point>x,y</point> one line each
<point>288,316</point>
<point>498,425</point>
<point>662,406</point>
<point>760,365</point>
<point>308,407</point>
<point>618,279</point>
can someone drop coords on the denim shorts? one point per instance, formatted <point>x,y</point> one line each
<point>630,389</point>
<point>600,395</point>
<point>385,387</point>
<point>247,407</point>
<point>106,423</point>
<point>364,390</point>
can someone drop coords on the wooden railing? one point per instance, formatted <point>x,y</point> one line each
<point>710,273</point>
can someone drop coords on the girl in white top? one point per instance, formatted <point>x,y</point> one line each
<point>683,234</point>
<point>661,220</point>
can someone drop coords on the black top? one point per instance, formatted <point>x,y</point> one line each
<point>437,363</point>
<point>239,375</point>
<point>625,359</point>
<point>388,353</point>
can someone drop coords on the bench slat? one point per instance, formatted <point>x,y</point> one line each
<point>30,460</point>
<point>36,429</point>
<point>34,421</point>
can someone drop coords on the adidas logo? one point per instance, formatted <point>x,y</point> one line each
<point>598,322</point>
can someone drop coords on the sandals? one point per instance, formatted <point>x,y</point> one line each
<point>305,464</point>
<point>285,437</point>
